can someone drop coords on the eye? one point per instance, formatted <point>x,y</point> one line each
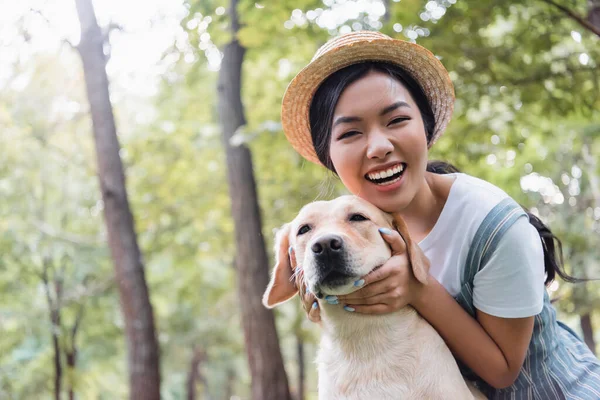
<point>358,217</point>
<point>348,134</point>
<point>398,120</point>
<point>303,229</point>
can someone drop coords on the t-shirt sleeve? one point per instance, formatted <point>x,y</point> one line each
<point>511,283</point>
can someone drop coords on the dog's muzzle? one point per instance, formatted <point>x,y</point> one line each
<point>329,253</point>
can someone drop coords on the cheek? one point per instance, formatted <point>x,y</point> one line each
<point>368,248</point>
<point>347,165</point>
<point>336,153</point>
<point>360,236</point>
<point>420,140</point>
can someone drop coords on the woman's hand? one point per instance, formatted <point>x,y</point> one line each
<point>388,288</point>
<point>384,290</point>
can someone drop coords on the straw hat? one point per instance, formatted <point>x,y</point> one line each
<point>353,48</point>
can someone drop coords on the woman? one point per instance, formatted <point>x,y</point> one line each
<point>368,108</point>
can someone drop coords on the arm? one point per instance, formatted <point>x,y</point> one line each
<point>494,348</point>
<point>508,291</point>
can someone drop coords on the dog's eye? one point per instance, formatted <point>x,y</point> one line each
<point>358,217</point>
<point>303,229</point>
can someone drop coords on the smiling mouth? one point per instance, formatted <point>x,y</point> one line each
<point>388,176</point>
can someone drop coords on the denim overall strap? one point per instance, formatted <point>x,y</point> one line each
<point>491,230</point>
<point>558,364</point>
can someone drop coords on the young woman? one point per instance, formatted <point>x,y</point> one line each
<point>368,108</point>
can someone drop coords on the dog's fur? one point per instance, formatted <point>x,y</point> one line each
<point>385,357</point>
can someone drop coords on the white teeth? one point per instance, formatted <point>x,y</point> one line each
<point>390,182</point>
<point>386,173</point>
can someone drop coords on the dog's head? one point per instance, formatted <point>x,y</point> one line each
<point>335,243</point>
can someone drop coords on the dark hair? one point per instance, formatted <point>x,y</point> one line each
<point>328,94</point>
<point>321,117</point>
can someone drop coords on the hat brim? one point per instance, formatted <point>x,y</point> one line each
<point>419,62</point>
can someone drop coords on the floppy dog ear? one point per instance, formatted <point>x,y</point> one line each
<point>418,260</point>
<point>281,288</point>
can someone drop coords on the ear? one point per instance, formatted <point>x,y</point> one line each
<point>418,260</point>
<point>281,288</point>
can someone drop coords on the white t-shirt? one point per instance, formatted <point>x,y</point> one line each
<point>511,283</point>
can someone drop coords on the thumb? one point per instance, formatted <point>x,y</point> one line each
<point>394,239</point>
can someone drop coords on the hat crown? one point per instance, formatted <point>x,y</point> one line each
<point>348,39</point>
<point>358,47</point>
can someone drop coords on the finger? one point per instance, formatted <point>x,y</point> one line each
<point>292,256</point>
<point>383,298</point>
<point>394,239</point>
<point>307,298</point>
<point>314,313</point>
<point>374,289</point>
<point>377,275</point>
<point>370,309</point>
<point>311,306</point>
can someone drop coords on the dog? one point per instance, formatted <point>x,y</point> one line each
<point>362,357</point>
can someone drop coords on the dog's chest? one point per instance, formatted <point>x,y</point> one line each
<point>386,361</point>
<point>380,363</point>
<point>381,375</point>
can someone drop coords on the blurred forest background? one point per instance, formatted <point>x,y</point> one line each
<point>75,320</point>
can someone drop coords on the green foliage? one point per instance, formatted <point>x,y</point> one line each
<point>524,119</point>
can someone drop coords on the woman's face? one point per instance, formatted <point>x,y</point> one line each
<point>378,144</point>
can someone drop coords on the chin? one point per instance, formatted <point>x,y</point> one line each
<point>388,205</point>
<point>339,290</point>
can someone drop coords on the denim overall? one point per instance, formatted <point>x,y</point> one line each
<point>558,364</point>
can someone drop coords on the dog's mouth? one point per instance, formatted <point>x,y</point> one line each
<point>336,278</point>
<point>388,176</point>
<point>339,280</point>
<point>334,281</point>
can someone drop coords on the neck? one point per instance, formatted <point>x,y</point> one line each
<point>424,210</point>
<point>346,326</point>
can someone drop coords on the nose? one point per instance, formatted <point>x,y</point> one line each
<point>327,244</point>
<point>379,145</point>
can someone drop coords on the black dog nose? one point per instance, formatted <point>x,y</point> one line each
<point>326,244</point>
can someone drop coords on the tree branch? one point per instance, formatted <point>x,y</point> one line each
<point>539,77</point>
<point>574,16</point>
<point>48,230</point>
<point>45,280</point>
<point>78,294</point>
<point>76,325</point>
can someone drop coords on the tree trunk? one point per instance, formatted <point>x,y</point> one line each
<point>193,373</point>
<point>142,346</point>
<point>71,359</point>
<point>230,384</point>
<point>301,366</point>
<point>269,380</point>
<point>55,320</point>
<point>588,331</point>
<point>71,354</point>
<point>54,311</point>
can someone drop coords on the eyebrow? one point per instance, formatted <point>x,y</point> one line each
<point>388,109</point>
<point>393,107</point>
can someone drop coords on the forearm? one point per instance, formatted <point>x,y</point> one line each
<point>465,337</point>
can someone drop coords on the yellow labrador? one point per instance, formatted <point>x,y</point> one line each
<point>362,357</point>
